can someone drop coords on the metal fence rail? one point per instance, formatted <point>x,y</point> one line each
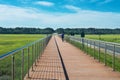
<point>101,44</point>
<point>107,49</point>
<point>16,64</point>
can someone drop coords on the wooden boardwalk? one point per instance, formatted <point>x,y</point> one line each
<point>49,66</point>
<point>79,66</point>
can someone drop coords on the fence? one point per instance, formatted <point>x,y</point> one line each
<point>106,52</point>
<point>16,64</point>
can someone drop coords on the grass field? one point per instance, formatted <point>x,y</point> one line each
<point>107,37</point>
<point>10,42</point>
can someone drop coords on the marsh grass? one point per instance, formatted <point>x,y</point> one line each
<point>107,37</point>
<point>10,42</point>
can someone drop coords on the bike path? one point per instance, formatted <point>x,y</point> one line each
<point>81,66</point>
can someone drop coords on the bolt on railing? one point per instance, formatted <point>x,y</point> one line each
<point>106,52</point>
<point>16,64</point>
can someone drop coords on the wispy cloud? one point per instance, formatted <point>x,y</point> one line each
<point>97,1</point>
<point>105,1</point>
<point>45,3</point>
<point>89,0</point>
<point>17,16</point>
<point>71,7</point>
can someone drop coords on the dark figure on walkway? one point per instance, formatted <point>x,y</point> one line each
<point>62,36</point>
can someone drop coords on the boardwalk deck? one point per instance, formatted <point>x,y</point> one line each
<point>83,67</point>
<point>49,66</point>
<point>79,66</point>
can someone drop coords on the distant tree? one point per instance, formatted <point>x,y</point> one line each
<point>48,31</point>
<point>60,30</point>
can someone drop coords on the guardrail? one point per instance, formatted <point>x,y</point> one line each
<point>108,51</point>
<point>15,65</point>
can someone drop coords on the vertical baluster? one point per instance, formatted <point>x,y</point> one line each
<point>39,49</point>
<point>90,45</point>
<point>114,57</point>
<point>99,52</point>
<point>32,56</point>
<point>42,45</point>
<point>94,50</point>
<point>28,61</point>
<point>13,67</point>
<point>87,47</point>
<point>35,53</point>
<point>22,69</point>
<point>105,54</point>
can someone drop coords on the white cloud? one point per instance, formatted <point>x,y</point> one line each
<point>71,7</point>
<point>105,1</point>
<point>17,16</point>
<point>97,1</point>
<point>44,3</point>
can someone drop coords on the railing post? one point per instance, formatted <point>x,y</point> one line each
<point>105,54</point>
<point>99,52</point>
<point>35,53</point>
<point>45,43</point>
<point>92,47</point>
<point>32,56</point>
<point>114,57</point>
<point>90,44</point>
<point>87,47</point>
<point>42,46</point>
<point>13,67</point>
<point>22,69</point>
<point>94,50</point>
<point>39,49</point>
<point>28,61</point>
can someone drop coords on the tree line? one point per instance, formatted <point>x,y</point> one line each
<point>69,31</point>
<point>73,31</point>
<point>22,30</point>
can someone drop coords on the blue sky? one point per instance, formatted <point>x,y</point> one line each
<point>60,13</point>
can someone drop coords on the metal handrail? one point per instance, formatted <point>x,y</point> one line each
<point>112,43</point>
<point>18,49</point>
<point>107,48</point>
<point>37,47</point>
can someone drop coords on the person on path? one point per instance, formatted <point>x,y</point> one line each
<point>62,36</point>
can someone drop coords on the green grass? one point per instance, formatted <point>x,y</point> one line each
<point>107,37</point>
<point>10,42</point>
<point>95,54</point>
